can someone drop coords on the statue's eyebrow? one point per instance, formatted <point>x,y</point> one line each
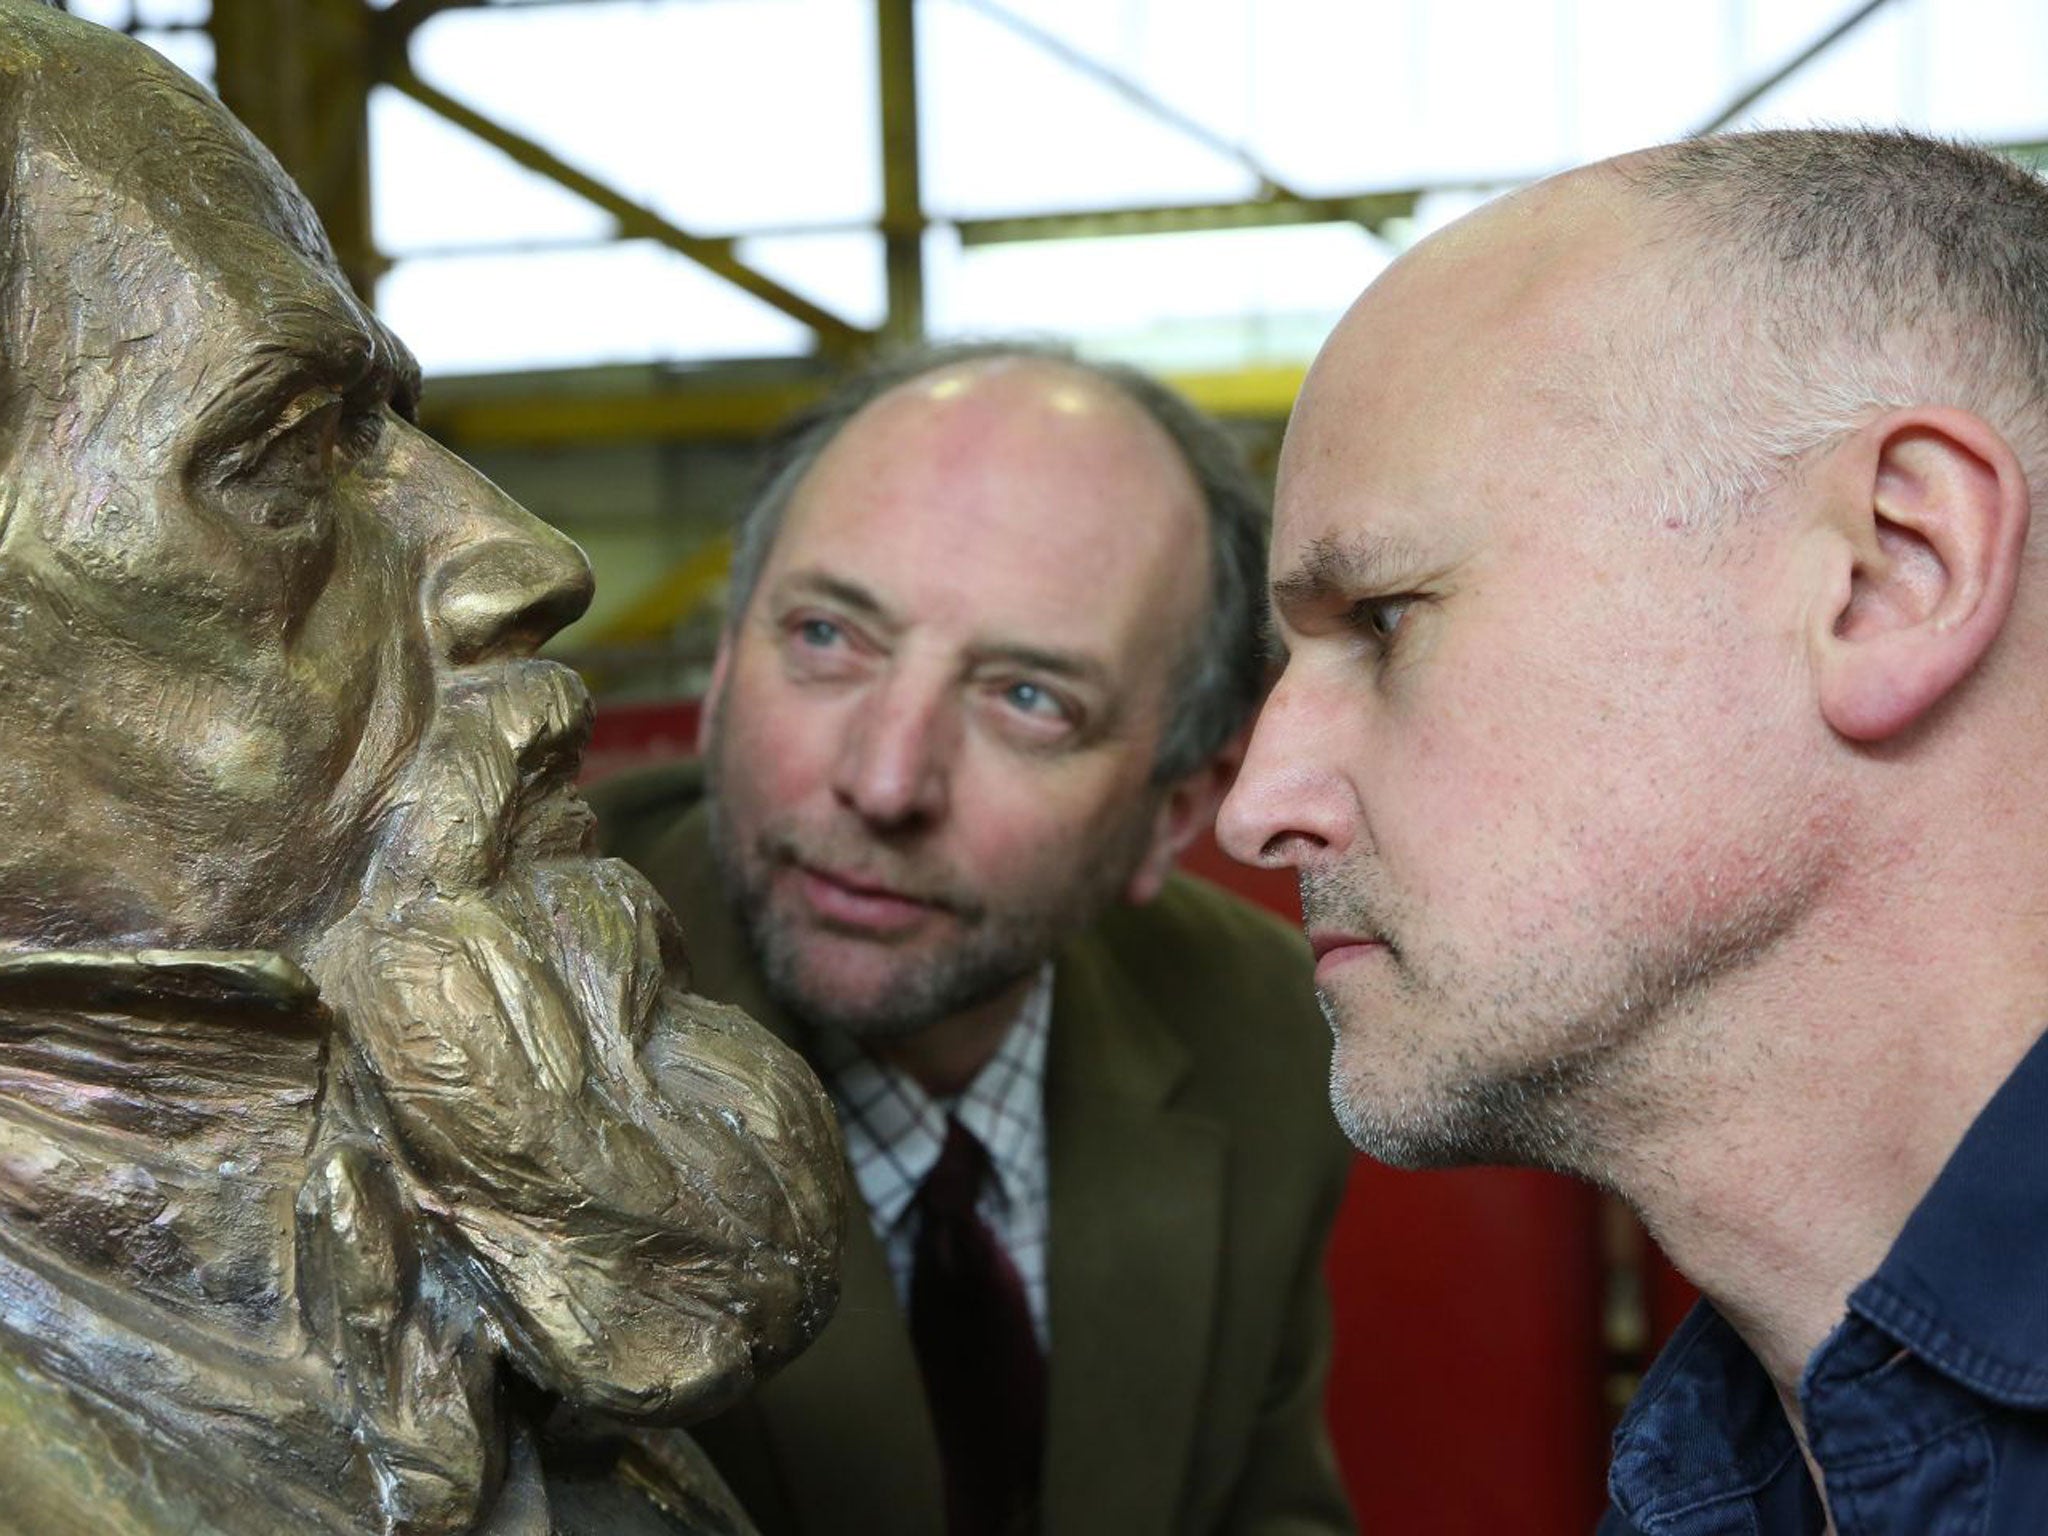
<point>404,369</point>
<point>306,345</point>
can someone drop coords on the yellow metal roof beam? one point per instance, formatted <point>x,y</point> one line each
<point>1370,209</point>
<point>752,410</point>
<point>552,421</point>
<point>903,219</point>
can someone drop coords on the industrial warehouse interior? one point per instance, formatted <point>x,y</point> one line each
<point>627,240</point>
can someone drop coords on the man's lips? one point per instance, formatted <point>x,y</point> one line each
<point>848,901</point>
<point>1335,949</point>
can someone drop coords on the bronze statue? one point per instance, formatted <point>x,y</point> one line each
<point>362,1158</point>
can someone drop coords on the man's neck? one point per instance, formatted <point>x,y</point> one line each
<point>1800,1130</point>
<point>945,1057</point>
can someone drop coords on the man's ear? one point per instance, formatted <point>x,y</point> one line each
<point>1936,510</point>
<point>714,691</point>
<point>1186,811</point>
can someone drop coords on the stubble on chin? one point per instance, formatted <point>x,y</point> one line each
<point>987,941</point>
<point>1471,1114</point>
<point>1545,1058</point>
<point>880,988</point>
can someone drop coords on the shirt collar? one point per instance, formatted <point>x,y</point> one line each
<point>1961,1287</point>
<point>895,1130</point>
<point>1705,1427</point>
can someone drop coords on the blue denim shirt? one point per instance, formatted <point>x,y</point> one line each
<point>1927,1407</point>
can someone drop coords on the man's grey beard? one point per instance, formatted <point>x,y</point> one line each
<point>998,953</point>
<point>999,948</point>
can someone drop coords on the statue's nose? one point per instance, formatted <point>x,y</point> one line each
<point>502,581</point>
<point>505,595</point>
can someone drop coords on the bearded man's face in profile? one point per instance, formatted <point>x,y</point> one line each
<point>272,692</point>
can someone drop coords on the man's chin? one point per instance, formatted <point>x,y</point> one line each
<point>878,992</point>
<point>855,1001</point>
<point>1411,1117</point>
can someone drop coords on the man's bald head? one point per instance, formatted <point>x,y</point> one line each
<point>1727,304</point>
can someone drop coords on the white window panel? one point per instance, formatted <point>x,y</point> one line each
<point>723,115</point>
<point>434,186</point>
<point>1141,287</point>
<point>630,302</point>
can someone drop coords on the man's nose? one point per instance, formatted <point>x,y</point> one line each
<point>895,760</point>
<point>504,580</point>
<point>1291,800</point>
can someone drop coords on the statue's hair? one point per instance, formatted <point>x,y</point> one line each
<point>1822,276</point>
<point>1218,679</point>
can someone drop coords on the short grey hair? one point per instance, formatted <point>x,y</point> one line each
<point>1218,681</point>
<point>1823,276</point>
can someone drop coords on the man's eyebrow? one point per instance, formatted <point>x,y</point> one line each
<point>1339,566</point>
<point>847,594</point>
<point>1070,665</point>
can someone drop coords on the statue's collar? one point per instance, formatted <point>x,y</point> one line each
<point>156,982</point>
<point>157,1046</point>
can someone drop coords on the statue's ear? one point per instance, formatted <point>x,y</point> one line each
<point>1934,507</point>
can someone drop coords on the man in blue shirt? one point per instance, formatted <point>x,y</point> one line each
<point>1662,747</point>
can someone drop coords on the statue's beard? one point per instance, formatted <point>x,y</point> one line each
<point>539,1146</point>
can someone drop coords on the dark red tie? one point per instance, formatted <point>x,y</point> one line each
<point>983,1374</point>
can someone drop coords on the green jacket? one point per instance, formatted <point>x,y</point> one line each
<point>1195,1172</point>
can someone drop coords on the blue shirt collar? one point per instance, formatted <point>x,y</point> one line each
<point>1961,1287</point>
<point>1705,1429</point>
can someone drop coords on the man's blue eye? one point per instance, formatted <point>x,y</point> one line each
<point>1031,699</point>
<point>817,632</point>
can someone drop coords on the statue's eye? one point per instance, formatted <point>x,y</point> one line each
<point>290,468</point>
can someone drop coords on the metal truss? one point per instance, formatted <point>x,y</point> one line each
<point>300,72</point>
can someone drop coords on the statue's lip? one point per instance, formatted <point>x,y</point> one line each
<point>550,730</point>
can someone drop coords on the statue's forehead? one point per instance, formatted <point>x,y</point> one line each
<point>160,185</point>
<point>148,136</point>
